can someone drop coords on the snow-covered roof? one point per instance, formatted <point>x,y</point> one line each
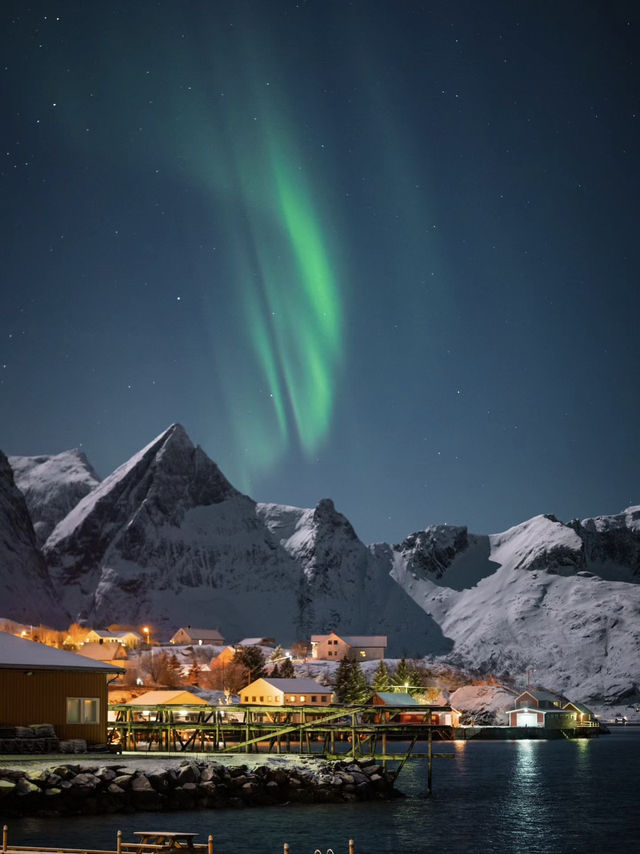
<point>18,653</point>
<point>541,695</point>
<point>255,642</point>
<point>365,640</point>
<point>295,686</point>
<point>203,634</point>
<point>169,697</point>
<point>103,651</point>
<point>393,698</point>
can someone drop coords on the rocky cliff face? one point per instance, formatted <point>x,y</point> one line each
<point>26,593</point>
<point>52,486</point>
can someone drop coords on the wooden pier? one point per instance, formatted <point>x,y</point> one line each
<point>338,732</point>
<point>150,842</point>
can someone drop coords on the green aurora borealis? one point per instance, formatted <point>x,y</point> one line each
<point>380,252</point>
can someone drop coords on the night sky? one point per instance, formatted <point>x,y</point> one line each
<point>383,252</point>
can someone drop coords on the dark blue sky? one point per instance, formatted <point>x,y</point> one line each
<point>383,252</point>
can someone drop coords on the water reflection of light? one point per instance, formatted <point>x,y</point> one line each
<point>527,810</point>
<point>460,745</point>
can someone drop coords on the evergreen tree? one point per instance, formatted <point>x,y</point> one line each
<point>359,687</point>
<point>341,681</point>
<point>402,676</point>
<point>381,680</point>
<point>275,673</point>
<point>253,660</point>
<point>287,670</point>
<point>350,685</point>
<point>277,654</point>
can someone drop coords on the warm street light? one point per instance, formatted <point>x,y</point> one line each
<point>146,631</point>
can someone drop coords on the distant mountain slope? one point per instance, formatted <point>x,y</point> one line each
<point>52,486</point>
<point>561,599</point>
<point>26,592</point>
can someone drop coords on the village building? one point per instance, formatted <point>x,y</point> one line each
<point>334,647</point>
<point>146,706</point>
<point>403,708</point>
<point>537,707</point>
<point>189,635</point>
<point>129,639</point>
<point>286,692</point>
<point>40,683</point>
<point>110,653</point>
<point>584,716</point>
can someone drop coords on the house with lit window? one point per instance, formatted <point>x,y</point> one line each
<point>334,647</point>
<point>130,639</point>
<point>189,635</point>
<point>286,692</point>
<point>584,716</point>
<point>40,683</point>
<point>110,653</point>
<point>537,707</point>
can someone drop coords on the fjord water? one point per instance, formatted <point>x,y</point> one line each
<point>542,797</point>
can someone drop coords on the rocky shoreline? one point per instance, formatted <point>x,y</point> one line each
<point>73,789</point>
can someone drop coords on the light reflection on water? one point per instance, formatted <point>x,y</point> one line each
<point>538,797</point>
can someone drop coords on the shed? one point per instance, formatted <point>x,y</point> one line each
<point>40,684</point>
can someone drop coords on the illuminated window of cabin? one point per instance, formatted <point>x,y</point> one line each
<point>302,698</point>
<point>269,698</point>
<point>363,654</point>
<point>292,698</point>
<point>83,710</point>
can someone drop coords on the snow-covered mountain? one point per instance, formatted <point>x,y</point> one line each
<point>52,485</point>
<point>560,599</point>
<point>25,589</point>
<point>166,539</point>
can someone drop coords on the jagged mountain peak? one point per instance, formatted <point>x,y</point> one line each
<point>52,485</point>
<point>165,475</point>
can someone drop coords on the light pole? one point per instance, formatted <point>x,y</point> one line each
<point>146,631</point>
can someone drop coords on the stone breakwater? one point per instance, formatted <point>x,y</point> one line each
<point>78,790</point>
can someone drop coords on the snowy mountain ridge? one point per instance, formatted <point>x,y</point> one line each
<point>167,539</point>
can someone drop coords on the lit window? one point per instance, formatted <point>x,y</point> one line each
<point>83,710</point>
<point>292,698</point>
<point>363,654</point>
<point>269,698</point>
<point>302,699</point>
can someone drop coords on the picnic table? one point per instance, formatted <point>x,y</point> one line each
<point>169,839</point>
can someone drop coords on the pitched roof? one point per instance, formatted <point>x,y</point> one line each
<point>103,651</point>
<point>354,640</point>
<point>365,640</point>
<point>21,654</point>
<point>214,634</point>
<point>542,695</point>
<point>295,686</point>
<point>393,698</point>
<point>170,697</point>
